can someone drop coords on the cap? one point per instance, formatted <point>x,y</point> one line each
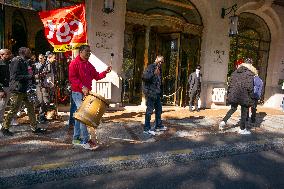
<point>48,53</point>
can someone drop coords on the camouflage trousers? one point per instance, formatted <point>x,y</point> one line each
<point>17,100</point>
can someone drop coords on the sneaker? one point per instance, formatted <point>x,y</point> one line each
<point>222,125</point>
<point>76,142</point>
<point>163,128</point>
<point>244,132</point>
<point>39,130</point>
<point>6,132</point>
<point>149,132</point>
<point>89,146</point>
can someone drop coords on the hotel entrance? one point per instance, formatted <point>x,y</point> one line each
<point>171,29</point>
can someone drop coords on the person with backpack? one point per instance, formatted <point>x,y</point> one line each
<point>257,92</point>
<point>241,92</point>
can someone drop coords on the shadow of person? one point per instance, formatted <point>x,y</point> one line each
<point>259,119</point>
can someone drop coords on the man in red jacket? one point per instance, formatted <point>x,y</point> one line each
<point>81,74</point>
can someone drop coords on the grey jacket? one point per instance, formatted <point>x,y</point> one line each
<point>194,82</point>
<point>152,84</point>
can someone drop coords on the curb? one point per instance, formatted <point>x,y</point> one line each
<point>59,171</point>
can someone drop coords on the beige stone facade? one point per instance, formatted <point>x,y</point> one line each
<point>106,34</point>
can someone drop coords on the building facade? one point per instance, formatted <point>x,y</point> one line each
<point>185,32</point>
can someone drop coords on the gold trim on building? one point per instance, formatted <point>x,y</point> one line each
<point>163,20</point>
<point>175,3</point>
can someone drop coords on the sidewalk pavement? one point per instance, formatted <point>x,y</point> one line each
<point>27,158</point>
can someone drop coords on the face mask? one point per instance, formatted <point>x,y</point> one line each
<point>197,71</point>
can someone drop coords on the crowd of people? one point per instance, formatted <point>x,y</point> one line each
<point>244,89</point>
<point>18,73</point>
<point>17,76</point>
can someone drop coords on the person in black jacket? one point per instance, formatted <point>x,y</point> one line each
<point>241,92</point>
<point>5,56</point>
<point>19,82</point>
<point>152,88</point>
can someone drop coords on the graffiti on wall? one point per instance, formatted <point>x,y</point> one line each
<point>104,38</point>
<point>218,56</point>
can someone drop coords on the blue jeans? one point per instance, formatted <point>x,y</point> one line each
<point>79,126</point>
<point>73,108</point>
<point>153,103</point>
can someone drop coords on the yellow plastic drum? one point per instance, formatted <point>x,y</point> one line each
<point>92,110</point>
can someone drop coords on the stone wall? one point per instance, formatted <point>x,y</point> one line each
<point>106,36</point>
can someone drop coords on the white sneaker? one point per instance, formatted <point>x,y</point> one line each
<point>149,132</point>
<point>222,125</point>
<point>163,128</point>
<point>244,132</point>
<point>88,146</point>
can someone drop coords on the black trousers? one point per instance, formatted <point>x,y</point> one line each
<point>244,113</point>
<point>253,110</point>
<point>194,96</point>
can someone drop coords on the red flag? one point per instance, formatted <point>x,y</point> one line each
<point>65,28</point>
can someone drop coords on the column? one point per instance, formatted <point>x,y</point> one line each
<point>146,57</point>
<point>2,26</point>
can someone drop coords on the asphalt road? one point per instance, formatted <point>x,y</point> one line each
<point>245,171</point>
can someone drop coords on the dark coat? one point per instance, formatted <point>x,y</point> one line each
<point>240,89</point>
<point>194,82</point>
<point>152,84</point>
<point>4,74</point>
<point>19,75</point>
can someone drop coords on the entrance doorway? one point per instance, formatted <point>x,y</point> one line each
<point>253,41</point>
<point>168,28</point>
<point>181,52</point>
<point>18,37</point>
